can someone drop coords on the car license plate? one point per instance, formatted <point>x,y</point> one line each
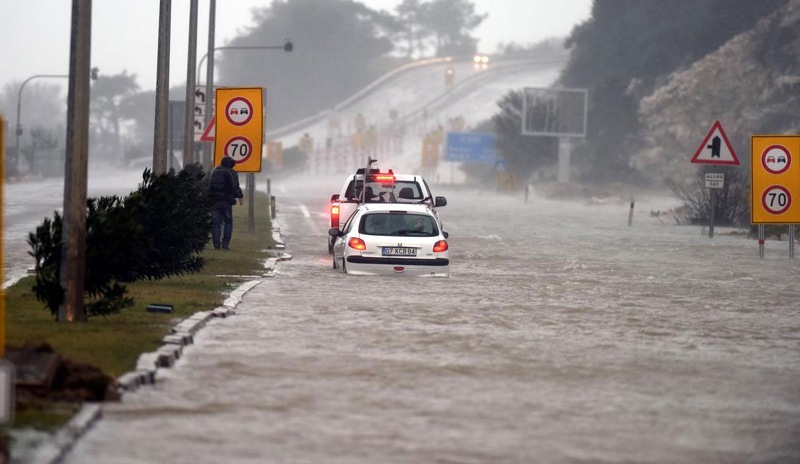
<point>399,251</point>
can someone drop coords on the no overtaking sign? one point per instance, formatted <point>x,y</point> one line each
<point>775,179</point>
<point>239,118</point>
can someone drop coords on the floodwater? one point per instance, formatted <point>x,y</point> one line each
<point>562,336</point>
<point>26,205</point>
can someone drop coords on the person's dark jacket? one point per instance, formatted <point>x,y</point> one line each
<point>224,182</point>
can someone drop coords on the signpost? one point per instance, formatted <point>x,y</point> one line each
<point>715,149</point>
<point>209,132</point>
<point>239,128</point>
<point>775,184</point>
<point>239,120</point>
<point>200,128</point>
<point>558,113</point>
<point>714,180</point>
<point>470,147</point>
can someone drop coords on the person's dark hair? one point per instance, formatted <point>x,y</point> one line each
<point>228,162</point>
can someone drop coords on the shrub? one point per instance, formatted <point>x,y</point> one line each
<point>156,232</point>
<point>731,202</point>
<point>174,211</point>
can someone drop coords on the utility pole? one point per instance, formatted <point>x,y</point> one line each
<point>188,134</point>
<point>162,90</point>
<point>73,249</point>
<point>208,157</point>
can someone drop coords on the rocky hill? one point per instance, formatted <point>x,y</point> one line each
<point>750,85</point>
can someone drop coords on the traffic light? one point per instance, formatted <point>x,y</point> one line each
<point>94,72</point>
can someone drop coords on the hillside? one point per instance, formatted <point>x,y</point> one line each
<point>659,73</point>
<point>750,85</point>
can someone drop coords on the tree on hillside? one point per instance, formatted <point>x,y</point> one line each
<point>44,155</point>
<point>109,94</point>
<point>629,47</point>
<point>451,22</point>
<point>411,35</point>
<point>335,41</point>
<point>525,154</point>
<point>43,116</point>
<point>43,103</point>
<point>139,110</point>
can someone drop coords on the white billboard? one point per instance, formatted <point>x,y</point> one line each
<point>554,112</point>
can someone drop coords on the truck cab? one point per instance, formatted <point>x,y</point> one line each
<point>371,185</point>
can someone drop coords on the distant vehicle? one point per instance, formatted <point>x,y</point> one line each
<point>390,239</point>
<point>378,186</point>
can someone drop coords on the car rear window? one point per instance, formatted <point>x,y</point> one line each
<point>399,225</point>
<point>399,192</point>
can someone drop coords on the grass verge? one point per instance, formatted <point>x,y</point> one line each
<point>114,343</point>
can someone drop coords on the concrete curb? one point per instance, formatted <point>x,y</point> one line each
<point>56,449</point>
<point>62,442</point>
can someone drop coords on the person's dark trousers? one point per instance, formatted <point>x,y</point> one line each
<point>222,218</point>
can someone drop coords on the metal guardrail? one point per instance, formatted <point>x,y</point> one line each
<point>503,65</point>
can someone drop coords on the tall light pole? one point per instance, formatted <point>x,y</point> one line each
<point>72,270</point>
<point>18,130</point>
<point>212,21</point>
<point>287,47</point>
<point>188,128</point>
<point>162,89</point>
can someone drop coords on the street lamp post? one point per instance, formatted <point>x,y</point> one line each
<point>287,47</point>
<point>18,130</point>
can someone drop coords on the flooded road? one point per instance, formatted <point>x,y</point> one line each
<point>26,205</point>
<point>562,336</point>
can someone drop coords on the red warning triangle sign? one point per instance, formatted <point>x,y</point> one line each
<point>210,133</point>
<point>716,148</point>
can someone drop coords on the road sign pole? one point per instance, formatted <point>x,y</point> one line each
<point>711,219</point>
<point>251,187</point>
<point>761,241</point>
<point>564,150</point>
<point>791,240</point>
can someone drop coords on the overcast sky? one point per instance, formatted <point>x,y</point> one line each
<point>34,34</point>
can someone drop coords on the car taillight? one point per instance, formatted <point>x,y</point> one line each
<point>335,216</point>
<point>357,244</point>
<point>440,246</point>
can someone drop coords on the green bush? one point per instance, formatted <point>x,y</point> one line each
<point>157,231</point>
<point>174,211</point>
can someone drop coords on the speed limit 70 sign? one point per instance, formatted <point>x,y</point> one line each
<point>775,179</point>
<point>239,114</point>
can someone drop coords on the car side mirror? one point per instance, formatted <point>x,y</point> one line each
<point>334,233</point>
<point>334,197</point>
<point>440,201</point>
<point>446,234</point>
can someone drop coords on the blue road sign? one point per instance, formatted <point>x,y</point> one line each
<point>470,147</point>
